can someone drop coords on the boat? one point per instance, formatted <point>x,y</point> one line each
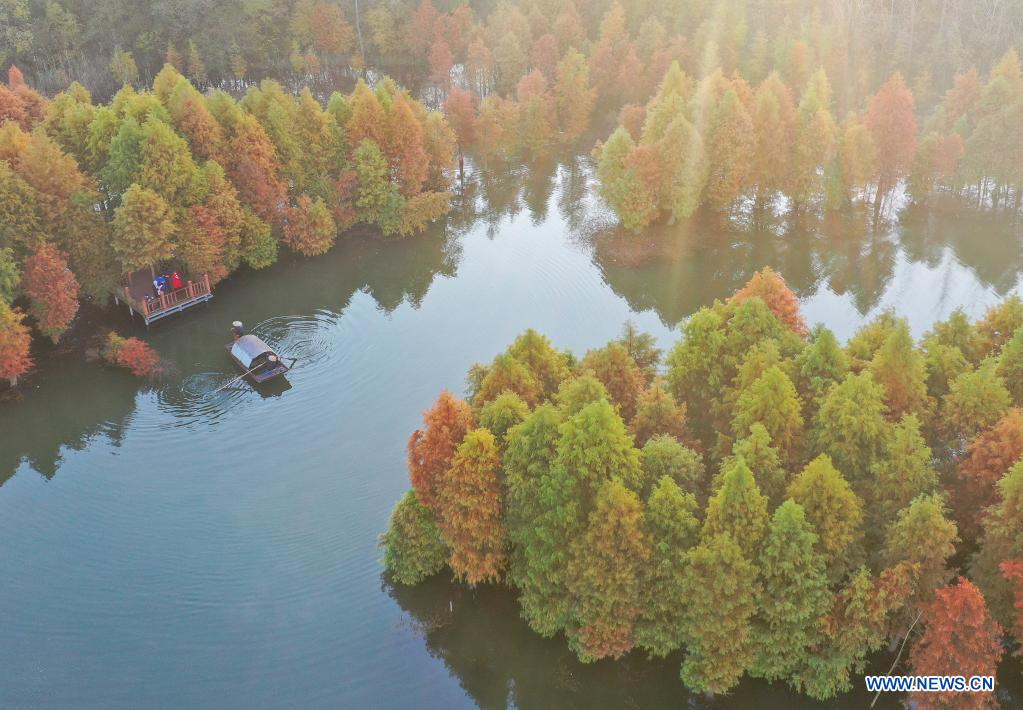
<point>256,358</point>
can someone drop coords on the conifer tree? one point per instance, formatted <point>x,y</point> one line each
<point>773,402</point>
<point>989,457</point>
<point>769,286</point>
<point>502,414</point>
<point>960,638</point>
<point>975,401</point>
<point>1002,540</point>
<point>851,428</point>
<point>765,463</point>
<point>658,413</point>
<point>15,343</point>
<point>774,123</point>
<point>413,549</point>
<point>821,364</point>
<point>795,595</point>
<point>605,574</point>
<point>672,528</point>
<point>144,229</point>
<point>310,229</point>
<point>529,452</point>
<point>470,510</point>
<point>664,456</point>
<point>899,368</point>
<point>508,374</point>
<point>548,365</point>
<point>903,474</point>
<point>577,392</point>
<point>573,95</point>
<point>738,509</point>
<point>722,593</point>
<point>620,375</point>
<point>924,535</point>
<point>892,124</point>
<point>595,447</point>
<point>51,289</point>
<point>730,142</point>
<point>1010,367</point>
<point>834,511</point>
<point>619,184</point>
<point>431,449</point>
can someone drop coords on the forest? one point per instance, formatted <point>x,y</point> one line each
<point>90,193</point>
<point>757,497</point>
<point>729,108</point>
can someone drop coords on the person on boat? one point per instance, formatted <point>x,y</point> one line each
<point>237,329</point>
<point>176,281</point>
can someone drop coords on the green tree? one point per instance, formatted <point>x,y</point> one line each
<point>577,392</point>
<point>619,184</point>
<point>658,413</point>
<point>903,474</point>
<point>144,229</point>
<point>738,509</point>
<point>722,594</point>
<point>508,374</point>
<point>975,401</point>
<point>573,95</point>
<point>899,368</point>
<point>795,597</point>
<point>377,201</point>
<point>772,401</point>
<point>1010,367</point>
<point>834,511</point>
<point>764,461</point>
<point>851,427</point>
<point>10,275</point>
<point>605,574</point>
<point>923,534</point>
<point>672,528</point>
<point>502,414</point>
<point>413,549</point>
<point>595,447</point>
<point>663,455</point>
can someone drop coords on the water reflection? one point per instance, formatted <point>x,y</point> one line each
<point>500,663</point>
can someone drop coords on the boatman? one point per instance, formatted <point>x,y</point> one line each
<point>237,329</point>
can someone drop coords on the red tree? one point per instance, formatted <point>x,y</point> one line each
<point>770,287</point>
<point>991,454</point>
<point>254,169</point>
<point>132,354</point>
<point>431,448</point>
<point>15,341</point>
<point>52,290</point>
<point>1013,571</point>
<point>12,108</point>
<point>470,510</point>
<point>310,228</point>
<point>441,61</point>
<point>959,638</point>
<point>460,108</point>
<point>892,123</point>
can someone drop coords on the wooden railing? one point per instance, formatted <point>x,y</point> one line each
<point>190,291</point>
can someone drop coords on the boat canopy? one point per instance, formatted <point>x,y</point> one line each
<point>247,348</point>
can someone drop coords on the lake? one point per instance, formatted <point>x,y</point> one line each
<point>164,546</point>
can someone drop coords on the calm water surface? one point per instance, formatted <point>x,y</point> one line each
<point>163,546</point>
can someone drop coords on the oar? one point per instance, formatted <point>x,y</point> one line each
<point>238,378</point>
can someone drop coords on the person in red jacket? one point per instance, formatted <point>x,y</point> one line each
<point>176,281</point>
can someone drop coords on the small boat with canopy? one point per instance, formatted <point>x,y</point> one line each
<point>256,358</point>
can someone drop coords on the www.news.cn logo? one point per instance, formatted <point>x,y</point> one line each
<point>930,684</point>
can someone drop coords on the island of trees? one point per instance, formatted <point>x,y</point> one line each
<point>762,500</point>
<point>89,192</point>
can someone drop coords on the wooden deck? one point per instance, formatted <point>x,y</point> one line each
<point>192,294</point>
